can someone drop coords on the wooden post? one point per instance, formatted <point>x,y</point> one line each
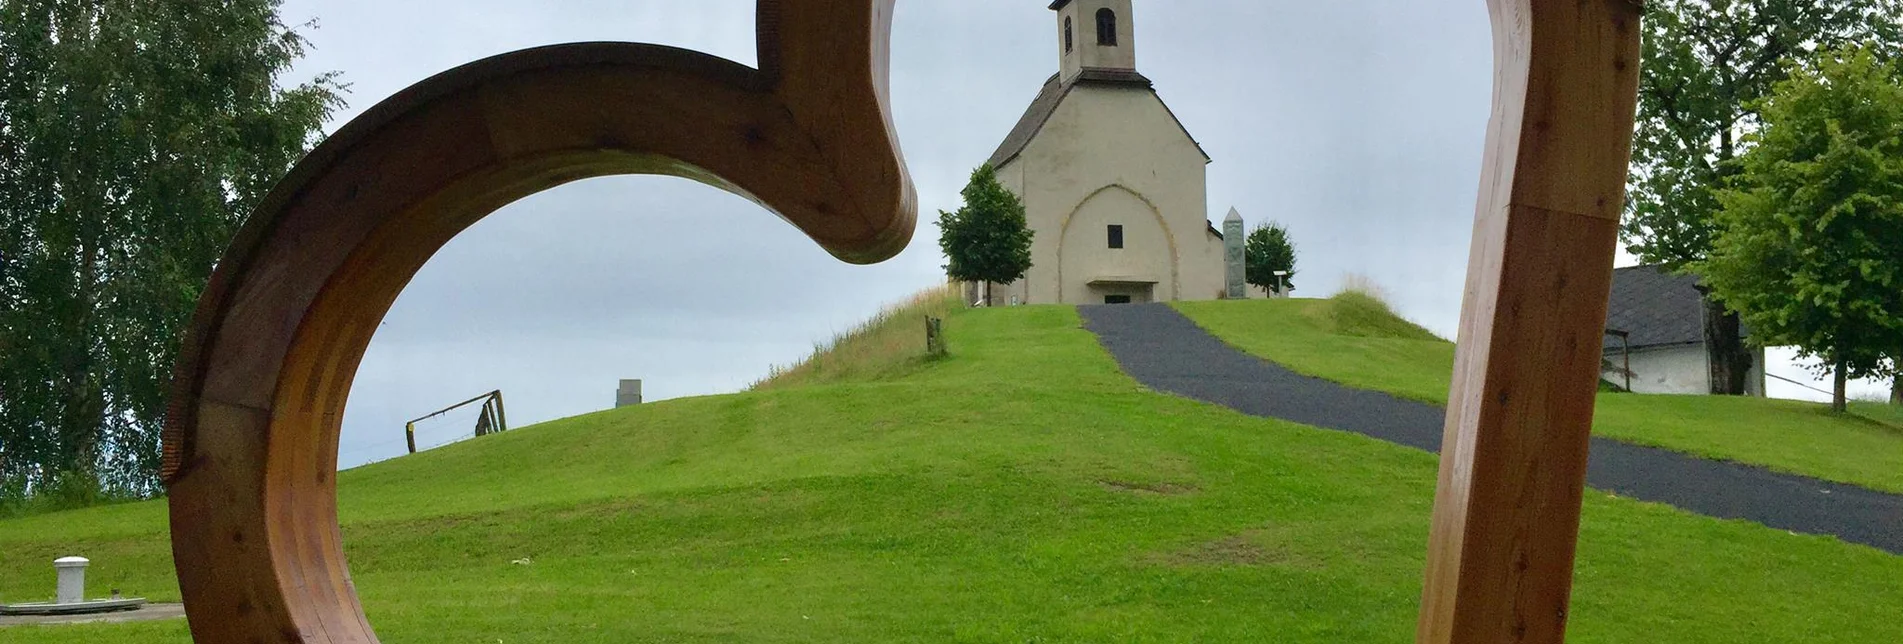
<point>502,415</point>
<point>1625,354</point>
<point>1513,459</point>
<point>934,336</point>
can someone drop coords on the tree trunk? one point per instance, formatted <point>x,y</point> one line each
<point>1896,390</point>
<point>987,294</point>
<point>1838,402</point>
<point>1729,359</point>
<point>81,402</point>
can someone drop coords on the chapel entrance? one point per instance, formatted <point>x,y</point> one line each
<point>1122,292</point>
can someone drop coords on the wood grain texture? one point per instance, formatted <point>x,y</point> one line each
<point>259,391</point>
<point>1519,418</point>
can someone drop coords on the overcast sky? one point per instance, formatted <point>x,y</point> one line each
<point>1357,123</point>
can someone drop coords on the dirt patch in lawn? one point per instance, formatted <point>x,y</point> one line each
<point>1164,488</point>
<point>1246,549</point>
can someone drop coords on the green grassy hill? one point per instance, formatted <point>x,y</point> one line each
<point>1020,490</point>
<point>1353,339</point>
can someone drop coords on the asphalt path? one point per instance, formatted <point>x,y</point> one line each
<point>1167,352</point>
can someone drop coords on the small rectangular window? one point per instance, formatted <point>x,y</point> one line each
<point>1116,236</point>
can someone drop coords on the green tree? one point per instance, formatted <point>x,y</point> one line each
<point>1810,243</point>
<point>134,137</point>
<point>1706,63</point>
<point>1267,250</point>
<point>987,239</point>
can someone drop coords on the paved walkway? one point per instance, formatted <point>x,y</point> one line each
<point>1167,352</point>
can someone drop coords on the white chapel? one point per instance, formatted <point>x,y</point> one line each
<point>1113,185</point>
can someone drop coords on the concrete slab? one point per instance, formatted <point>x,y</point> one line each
<point>150,612</point>
<point>75,607</point>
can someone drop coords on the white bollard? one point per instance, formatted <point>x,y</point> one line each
<point>72,579</point>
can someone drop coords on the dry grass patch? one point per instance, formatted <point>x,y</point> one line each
<point>1237,550</point>
<point>1163,488</point>
<point>888,345</point>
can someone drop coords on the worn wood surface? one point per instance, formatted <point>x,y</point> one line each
<point>259,391</point>
<point>1513,457</point>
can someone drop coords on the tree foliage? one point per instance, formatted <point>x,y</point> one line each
<point>1810,243</point>
<point>1705,65</point>
<point>1267,250</point>
<point>986,240</point>
<point>134,137</point>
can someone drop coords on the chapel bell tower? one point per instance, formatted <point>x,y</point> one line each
<point>1094,35</point>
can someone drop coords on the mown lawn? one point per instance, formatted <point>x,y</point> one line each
<point>1353,341</point>
<point>1022,490</point>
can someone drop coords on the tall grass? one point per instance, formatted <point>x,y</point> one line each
<point>890,343</point>
<point>1361,283</point>
<point>1361,309</point>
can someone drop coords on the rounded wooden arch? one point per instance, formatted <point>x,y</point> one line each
<point>259,391</point>
<point>259,388</point>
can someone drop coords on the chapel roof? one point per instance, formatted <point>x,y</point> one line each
<point>1052,95</point>
<point>1657,307</point>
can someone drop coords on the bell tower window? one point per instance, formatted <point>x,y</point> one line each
<point>1070,38</point>
<point>1106,27</point>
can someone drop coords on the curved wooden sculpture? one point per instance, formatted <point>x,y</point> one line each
<point>251,441</point>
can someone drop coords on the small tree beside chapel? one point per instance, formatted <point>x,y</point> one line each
<point>1810,248</point>
<point>986,240</point>
<point>1269,250</point>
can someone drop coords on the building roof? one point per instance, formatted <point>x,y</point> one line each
<point>1052,95</point>
<point>1657,307</point>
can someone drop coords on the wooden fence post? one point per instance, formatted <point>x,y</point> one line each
<point>502,415</point>
<point>934,336</point>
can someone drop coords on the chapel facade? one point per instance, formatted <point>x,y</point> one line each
<point>1113,185</point>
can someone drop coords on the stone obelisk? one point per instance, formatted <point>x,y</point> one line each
<point>1232,256</point>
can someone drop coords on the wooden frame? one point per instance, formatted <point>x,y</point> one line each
<point>251,438</point>
<point>492,411</point>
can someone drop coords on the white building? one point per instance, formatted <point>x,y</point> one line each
<point>1112,183</point>
<point>1656,321</point>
